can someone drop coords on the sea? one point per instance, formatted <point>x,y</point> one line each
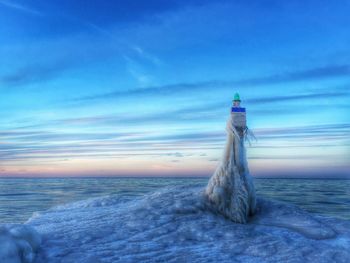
<point>20,198</point>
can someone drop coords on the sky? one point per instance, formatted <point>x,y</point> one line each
<point>144,88</point>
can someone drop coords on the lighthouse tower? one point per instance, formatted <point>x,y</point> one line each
<point>238,114</point>
<point>230,190</point>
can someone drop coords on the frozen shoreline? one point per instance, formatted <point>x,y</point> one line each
<point>175,224</point>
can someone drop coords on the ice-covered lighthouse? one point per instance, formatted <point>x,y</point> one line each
<point>230,191</point>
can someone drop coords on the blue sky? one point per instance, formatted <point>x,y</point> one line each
<point>130,88</point>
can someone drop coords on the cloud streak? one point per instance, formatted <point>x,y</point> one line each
<point>36,72</point>
<point>101,145</point>
<point>19,7</point>
<point>328,95</point>
<point>331,71</point>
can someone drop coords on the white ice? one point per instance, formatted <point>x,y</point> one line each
<point>230,190</point>
<point>18,243</point>
<point>177,225</point>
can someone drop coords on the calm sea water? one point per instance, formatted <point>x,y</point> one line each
<point>20,198</point>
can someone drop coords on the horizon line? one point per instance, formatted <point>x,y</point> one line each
<point>341,177</point>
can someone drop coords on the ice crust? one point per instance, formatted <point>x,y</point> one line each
<point>230,190</point>
<point>18,243</point>
<point>177,225</point>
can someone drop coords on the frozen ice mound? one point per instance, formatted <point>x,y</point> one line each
<point>290,216</point>
<point>177,225</point>
<point>231,193</point>
<point>18,243</point>
<point>230,190</point>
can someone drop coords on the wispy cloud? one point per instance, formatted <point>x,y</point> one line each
<point>330,71</point>
<point>309,129</point>
<point>36,72</point>
<point>206,111</point>
<point>20,7</point>
<point>180,88</point>
<point>138,72</point>
<point>68,54</point>
<point>40,136</point>
<point>156,90</point>
<point>329,95</point>
<point>140,63</point>
<point>321,133</point>
<point>146,55</point>
<point>36,145</point>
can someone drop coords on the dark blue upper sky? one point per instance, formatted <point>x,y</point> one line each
<point>144,87</point>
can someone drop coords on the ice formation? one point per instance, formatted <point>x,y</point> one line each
<point>230,190</point>
<point>18,243</point>
<point>175,225</point>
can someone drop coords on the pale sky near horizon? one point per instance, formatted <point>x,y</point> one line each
<point>133,88</point>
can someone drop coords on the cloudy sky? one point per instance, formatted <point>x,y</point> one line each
<point>130,88</point>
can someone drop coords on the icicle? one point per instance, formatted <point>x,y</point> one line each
<point>230,190</point>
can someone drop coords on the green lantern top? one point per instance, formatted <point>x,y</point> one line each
<point>236,97</point>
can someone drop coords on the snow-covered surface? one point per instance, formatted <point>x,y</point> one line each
<point>18,243</point>
<point>230,190</point>
<point>176,225</point>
